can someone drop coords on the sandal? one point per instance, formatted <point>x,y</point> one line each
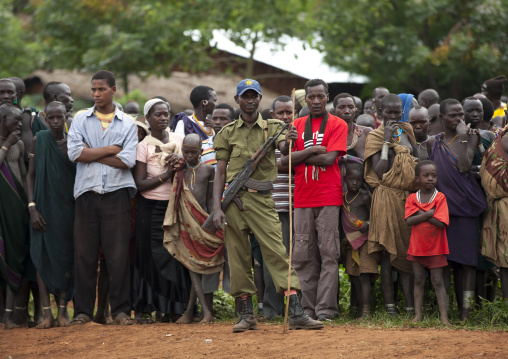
<point>123,319</point>
<point>80,319</point>
<point>145,318</point>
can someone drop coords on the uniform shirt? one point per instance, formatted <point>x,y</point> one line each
<point>236,143</point>
<point>326,190</point>
<point>95,176</point>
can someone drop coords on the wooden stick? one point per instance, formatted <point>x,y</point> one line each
<point>290,221</point>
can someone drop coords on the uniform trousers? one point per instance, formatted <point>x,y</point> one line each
<point>260,217</point>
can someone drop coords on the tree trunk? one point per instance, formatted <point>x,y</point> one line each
<point>249,72</point>
<point>125,82</point>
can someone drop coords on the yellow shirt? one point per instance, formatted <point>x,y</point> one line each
<point>500,111</point>
<point>105,118</point>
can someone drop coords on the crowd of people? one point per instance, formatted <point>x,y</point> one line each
<point>109,205</point>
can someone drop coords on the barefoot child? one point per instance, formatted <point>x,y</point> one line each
<point>427,213</point>
<point>200,251</point>
<point>50,191</point>
<point>355,213</point>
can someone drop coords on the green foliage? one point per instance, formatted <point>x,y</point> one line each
<point>492,314</point>
<point>344,289</point>
<point>20,51</point>
<point>223,305</point>
<point>450,45</point>
<point>126,37</point>
<point>135,95</point>
<point>248,22</point>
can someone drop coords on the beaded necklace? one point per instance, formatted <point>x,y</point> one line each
<point>193,174</point>
<point>431,198</point>
<point>348,203</point>
<point>209,133</point>
<point>398,136</point>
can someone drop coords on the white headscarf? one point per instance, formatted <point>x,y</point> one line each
<point>149,104</point>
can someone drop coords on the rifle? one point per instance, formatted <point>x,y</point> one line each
<point>231,193</point>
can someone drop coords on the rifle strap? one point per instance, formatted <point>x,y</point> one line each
<point>259,185</point>
<point>265,129</point>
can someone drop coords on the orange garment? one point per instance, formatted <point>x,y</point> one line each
<point>427,239</point>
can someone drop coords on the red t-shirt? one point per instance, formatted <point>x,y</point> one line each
<point>427,239</point>
<point>327,189</point>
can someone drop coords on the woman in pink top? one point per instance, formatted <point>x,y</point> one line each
<point>159,282</point>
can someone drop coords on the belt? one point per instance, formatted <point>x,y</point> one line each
<point>251,190</point>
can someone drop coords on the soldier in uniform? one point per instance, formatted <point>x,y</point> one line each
<point>234,145</point>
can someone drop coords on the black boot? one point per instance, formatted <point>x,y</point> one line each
<point>298,319</point>
<point>247,321</point>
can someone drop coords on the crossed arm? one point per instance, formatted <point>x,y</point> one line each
<point>422,216</point>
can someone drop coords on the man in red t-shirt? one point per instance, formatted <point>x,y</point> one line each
<point>318,196</point>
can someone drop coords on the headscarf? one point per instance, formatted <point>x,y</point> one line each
<point>150,103</point>
<point>494,86</point>
<point>406,105</point>
<point>300,97</point>
<point>141,122</point>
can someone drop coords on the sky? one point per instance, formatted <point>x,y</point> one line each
<point>307,63</point>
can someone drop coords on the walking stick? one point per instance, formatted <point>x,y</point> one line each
<point>290,222</point>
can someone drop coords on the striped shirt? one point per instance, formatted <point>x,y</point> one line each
<point>208,155</point>
<point>280,188</point>
<point>104,118</point>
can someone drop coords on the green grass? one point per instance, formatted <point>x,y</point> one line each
<point>491,317</point>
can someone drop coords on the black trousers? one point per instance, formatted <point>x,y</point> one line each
<point>102,219</point>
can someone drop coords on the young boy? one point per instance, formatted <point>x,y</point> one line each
<point>51,209</point>
<point>427,213</point>
<point>355,213</point>
<point>102,140</point>
<point>200,253</point>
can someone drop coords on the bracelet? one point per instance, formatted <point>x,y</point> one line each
<point>31,204</point>
<point>5,148</point>
<point>460,141</point>
<point>384,152</point>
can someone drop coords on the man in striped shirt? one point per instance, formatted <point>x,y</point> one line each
<point>273,303</point>
<point>221,116</point>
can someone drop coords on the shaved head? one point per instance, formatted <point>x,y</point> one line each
<point>418,109</point>
<point>428,97</point>
<point>8,108</point>
<point>192,139</point>
<point>56,104</point>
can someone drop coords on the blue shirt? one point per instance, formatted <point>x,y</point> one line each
<point>95,176</point>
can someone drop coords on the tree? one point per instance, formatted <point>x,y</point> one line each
<point>247,23</point>
<point>20,52</point>
<point>449,45</point>
<point>124,36</point>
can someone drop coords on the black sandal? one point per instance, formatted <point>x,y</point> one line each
<point>79,320</point>
<point>145,318</point>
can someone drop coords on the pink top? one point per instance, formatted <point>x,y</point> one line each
<point>146,153</point>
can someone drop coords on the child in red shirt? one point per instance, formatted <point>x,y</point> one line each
<point>427,213</point>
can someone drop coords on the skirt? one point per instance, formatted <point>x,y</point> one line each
<point>159,281</point>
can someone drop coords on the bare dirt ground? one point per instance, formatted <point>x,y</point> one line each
<point>216,340</point>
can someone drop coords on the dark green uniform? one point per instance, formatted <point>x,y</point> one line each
<point>236,143</point>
